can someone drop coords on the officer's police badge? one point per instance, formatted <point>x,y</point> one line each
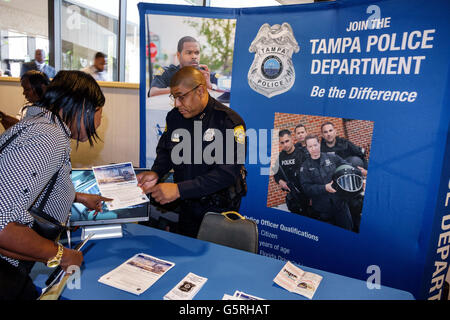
<point>272,71</point>
<point>209,135</point>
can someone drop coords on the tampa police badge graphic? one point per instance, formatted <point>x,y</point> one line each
<point>272,72</point>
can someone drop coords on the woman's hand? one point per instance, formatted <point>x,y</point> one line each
<point>71,258</point>
<point>91,201</point>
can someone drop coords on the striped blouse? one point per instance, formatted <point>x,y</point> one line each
<point>26,166</point>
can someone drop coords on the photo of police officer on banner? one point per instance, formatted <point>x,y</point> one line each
<point>319,168</point>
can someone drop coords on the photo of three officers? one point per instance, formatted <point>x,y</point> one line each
<point>322,174</point>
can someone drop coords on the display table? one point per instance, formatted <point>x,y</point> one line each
<point>227,270</point>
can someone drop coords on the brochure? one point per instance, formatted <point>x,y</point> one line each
<point>118,182</point>
<point>187,288</point>
<point>137,274</point>
<point>298,281</point>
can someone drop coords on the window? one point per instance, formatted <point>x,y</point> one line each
<point>88,27</point>
<point>20,37</point>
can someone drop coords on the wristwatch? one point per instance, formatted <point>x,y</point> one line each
<point>56,260</point>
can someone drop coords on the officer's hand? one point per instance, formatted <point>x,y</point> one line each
<point>165,192</point>
<point>363,171</point>
<point>147,180</point>
<point>207,74</point>
<point>329,188</point>
<point>284,185</point>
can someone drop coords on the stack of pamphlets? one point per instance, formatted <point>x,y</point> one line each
<point>298,281</point>
<point>137,274</point>
<point>187,288</point>
<point>239,295</point>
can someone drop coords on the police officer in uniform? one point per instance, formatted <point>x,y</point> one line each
<point>287,168</point>
<point>333,144</point>
<point>300,135</point>
<point>353,154</point>
<point>316,179</point>
<point>188,54</point>
<point>204,143</point>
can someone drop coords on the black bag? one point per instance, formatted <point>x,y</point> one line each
<point>45,225</point>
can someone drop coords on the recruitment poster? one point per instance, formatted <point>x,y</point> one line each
<point>367,81</point>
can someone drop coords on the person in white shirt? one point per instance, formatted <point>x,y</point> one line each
<point>97,70</point>
<point>38,64</point>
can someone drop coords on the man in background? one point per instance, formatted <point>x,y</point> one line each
<point>97,69</point>
<point>38,64</point>
<point>188,54</point>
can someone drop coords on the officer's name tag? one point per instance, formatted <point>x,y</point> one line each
<point>175,137</point>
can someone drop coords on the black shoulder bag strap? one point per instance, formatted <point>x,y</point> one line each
<point>3,146</point>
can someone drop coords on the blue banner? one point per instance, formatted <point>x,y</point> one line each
<point>374,74</point>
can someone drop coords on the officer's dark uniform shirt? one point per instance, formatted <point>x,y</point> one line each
<point>290,163</point>
<point>163,80</point>
<point>303,149</point>
<point>315,174</point>
<point>198,180</point>
<point>344,149</point>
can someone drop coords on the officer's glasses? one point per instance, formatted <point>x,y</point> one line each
<point>182,96</point>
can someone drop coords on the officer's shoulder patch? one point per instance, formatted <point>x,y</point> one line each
<point>217,75</point>
<point>159,71</point>
<point>239,134</point>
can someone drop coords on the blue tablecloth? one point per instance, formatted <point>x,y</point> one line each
<point>227,270</point>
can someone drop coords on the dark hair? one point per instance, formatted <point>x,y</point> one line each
<point>284,132</point>
<point>324,124</point>
<point>37,79</point>
<point>100,55</point>
<point>312,136</point>
<point>183,40</point>
<point>75,93</point>
<point>299,126</point>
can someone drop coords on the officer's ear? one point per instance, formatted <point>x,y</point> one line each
<point>201,90</point>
